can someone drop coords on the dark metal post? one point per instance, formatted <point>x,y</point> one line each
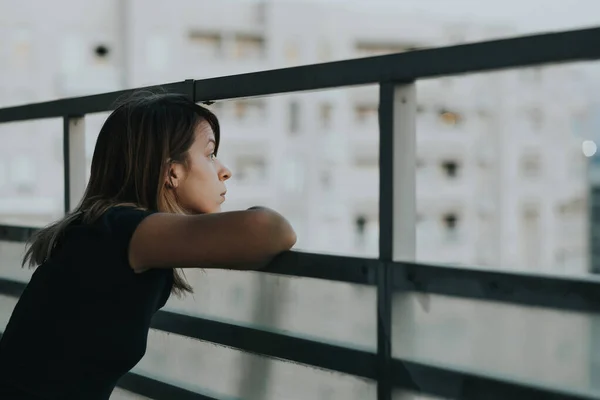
<point>190,89</point>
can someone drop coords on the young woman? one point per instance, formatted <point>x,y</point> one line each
<point>152,205</point>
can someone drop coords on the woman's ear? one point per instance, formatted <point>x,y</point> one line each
<point>174,175</point>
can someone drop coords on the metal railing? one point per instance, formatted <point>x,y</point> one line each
<point>394,270</point>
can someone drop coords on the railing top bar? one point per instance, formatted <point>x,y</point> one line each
<point>581,294</point>
<point>77,106</point>
<point>293,263</point>
<point>569,46</point>
<point>516,52</point>
<point>321,266</point>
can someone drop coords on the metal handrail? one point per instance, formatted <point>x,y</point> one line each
<point>552,48</point>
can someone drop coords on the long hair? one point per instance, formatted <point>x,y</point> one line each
<point>141,137</point>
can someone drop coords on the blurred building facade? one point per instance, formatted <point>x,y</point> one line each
<point>493,148</point>
<point>500,176</point>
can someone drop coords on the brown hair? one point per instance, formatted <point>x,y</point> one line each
<point>136,144</point>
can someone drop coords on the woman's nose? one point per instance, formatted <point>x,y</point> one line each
<point>224,173</point>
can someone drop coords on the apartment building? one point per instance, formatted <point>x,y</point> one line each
<point>500,174</point>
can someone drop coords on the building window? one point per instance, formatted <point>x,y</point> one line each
<point>450,223</point>
<point>450,118</point>
<point>529,240</point>
<point>360,226</point>
<point>324,52</point>
<point>366,234</point>
<point>450,168</point>
<point>536,119</point>
<point>73,54</point>
<point>157,51</point>
<point>240,109</point>
<point>530,166</point>
<point>21,56</point>
<point>292,53</point>
<point>101,53</point>
<point>366,113</point>
<point>361,223</point>
<point>325,176</point>
<point>249,46</point>
<point>22,173</point>
<point>249,110</point>
<point>531,75</point>
<point>365,161</point>
<point>293,175</point>
<point>294,117</point>
<point>325,115</point>
<point>206,43</point>
<point>251,169</point>
<point>217,107</point>
<point>369,49</point>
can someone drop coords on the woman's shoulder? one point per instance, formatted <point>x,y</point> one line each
<point>122,219</point>
<point>118,221</point>
<point>124,212</point>
<point>108,231</point>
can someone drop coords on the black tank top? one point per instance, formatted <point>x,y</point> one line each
<point>83,320</point>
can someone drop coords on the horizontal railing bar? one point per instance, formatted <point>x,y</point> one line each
<point>321,266</point>
<point>569,46</point>
<point>454,383</point>
<point>307,265</point>
<point>563,293</point>
<point>560,47</point>
<point>9,287</point>
<point>10,233</point>
<point>158,390</point>
<point>278,345</point>
<point>78,106</point>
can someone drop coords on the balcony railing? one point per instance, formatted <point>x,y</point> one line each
<point>394,271</point>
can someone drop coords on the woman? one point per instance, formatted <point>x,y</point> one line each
<point>153,203</point>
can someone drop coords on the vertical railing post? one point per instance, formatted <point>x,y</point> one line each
<point>397,208</point>
<point>74,160</point>
<point>190,89</point>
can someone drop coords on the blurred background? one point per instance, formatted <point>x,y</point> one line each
<point>506,172</point>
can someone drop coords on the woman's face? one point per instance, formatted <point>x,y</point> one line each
<point>200,185</point>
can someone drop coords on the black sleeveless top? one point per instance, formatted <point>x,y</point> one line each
<point>83,320</point>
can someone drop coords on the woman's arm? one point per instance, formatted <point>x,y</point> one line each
<point>233,240</point>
